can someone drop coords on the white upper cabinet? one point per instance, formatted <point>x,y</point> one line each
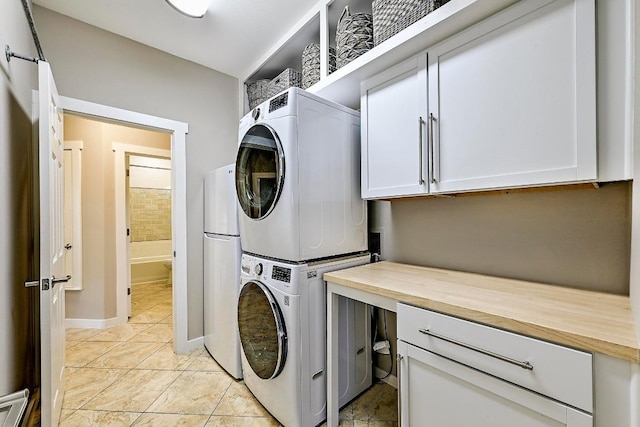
<point>513,99</point>
<point>510,103</point>
<point>393,141</point>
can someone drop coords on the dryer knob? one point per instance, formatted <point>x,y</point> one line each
<point>258,269</point>
<point>255,113</point>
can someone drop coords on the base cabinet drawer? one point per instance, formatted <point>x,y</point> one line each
<point>436,392</point>
<point>555,371</point>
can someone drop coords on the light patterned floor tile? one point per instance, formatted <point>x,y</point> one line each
<point>80,334</point>
<point>65,413</point>
<point>227,421</point>
<point>374,423</point>
<point>238,400</point>
<point>193,393</point>
<point>166,359</point>
<point>83,353</point>
<point>83,384</point>
<point>148,317</point>
<point>167,320</point>
<point>83,418</point>
<point>206,363</point>
<point>126,355</point>
<point>379,403</point>
<point>156,333</point>
<point>134,391</point>
<point>120,332</point>
<point>162,420</point>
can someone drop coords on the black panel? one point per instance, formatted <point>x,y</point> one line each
<point>279,102</point>
<point>281,273</point>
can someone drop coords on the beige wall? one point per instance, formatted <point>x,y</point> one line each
<point>578,238</point>
<point>17,263</point>
<point>97,66</point>
<point>98,298</point>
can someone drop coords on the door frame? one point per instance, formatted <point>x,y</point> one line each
<point>178,132</point>
<point>123,252</point>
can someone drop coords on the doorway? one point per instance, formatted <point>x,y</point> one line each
<point>176,132</point>
<point>148,206</point>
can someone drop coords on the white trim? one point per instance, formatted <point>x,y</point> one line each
<point>194,344</point>
<point>91,323</point>
<point>140,150</point>
<point>73,205</point>
<point>391,379</point>
<point>178,131</point>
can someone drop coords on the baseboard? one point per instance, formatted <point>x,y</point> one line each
<point>183,347</point>
<point>91,323</point>
<point>392,380</point>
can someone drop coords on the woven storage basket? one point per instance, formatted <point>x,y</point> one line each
<point>354,36</point>
<point>311,64</point>
<point>392,16</point>
<point>286,79</point>
<point>257,92</point>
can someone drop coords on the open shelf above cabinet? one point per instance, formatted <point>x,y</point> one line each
<point>343,86</point>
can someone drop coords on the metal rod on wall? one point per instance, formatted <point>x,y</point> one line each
<point>34,33</point>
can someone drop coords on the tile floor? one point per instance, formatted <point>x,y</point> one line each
<point>128,375</point>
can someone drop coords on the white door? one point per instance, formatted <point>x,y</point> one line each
<point>52,251</point>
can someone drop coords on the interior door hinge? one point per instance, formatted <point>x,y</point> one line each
<point>128,291</point>
<point>128,232</point>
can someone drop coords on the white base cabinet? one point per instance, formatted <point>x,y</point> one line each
<point>436,391</point>
<point>454,372</point>
<point>509,102</point>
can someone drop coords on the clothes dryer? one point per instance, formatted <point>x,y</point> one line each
<point>282,323</point>
<point>298,179</point>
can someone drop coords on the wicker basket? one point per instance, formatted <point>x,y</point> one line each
<point>311,64</point>
<point>257,92</point>
<point>392,16</point>
<point>286,79</point>
<point>354,36</point>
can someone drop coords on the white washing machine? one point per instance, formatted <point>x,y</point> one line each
<point>282,323</point>
<point>298,179</point>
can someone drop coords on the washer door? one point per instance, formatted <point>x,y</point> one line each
<point>262,330</point>
<point>259,171</point>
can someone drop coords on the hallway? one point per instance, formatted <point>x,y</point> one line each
<point>128,375</point>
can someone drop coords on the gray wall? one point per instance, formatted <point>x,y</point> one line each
<point>17,349</point>
<point>97,66</point>
<point>572,237</point>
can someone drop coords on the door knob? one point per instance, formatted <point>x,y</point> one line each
<point>31,283</point>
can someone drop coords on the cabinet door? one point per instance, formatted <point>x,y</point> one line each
<point>436,391</point>
<point>512,99</point>
<point>394,148</point>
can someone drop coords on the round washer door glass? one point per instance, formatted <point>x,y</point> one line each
<point>259,171</point>
<point>262,331</point>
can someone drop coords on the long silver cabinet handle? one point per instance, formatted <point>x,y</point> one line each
<point>398,363</point>
<point>523,365</point>
<point>420,148</point>
<point>432,178</point>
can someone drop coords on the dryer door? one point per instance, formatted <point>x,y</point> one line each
<point>259,171</point>
<point>262,330</point>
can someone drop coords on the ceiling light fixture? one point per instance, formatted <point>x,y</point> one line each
<point>192,8</point>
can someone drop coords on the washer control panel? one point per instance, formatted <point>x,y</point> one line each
<point>282,274</point>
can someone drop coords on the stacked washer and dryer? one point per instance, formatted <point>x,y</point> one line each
<point>298,188</point>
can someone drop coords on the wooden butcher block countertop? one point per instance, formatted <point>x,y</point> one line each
<point>591,321</point>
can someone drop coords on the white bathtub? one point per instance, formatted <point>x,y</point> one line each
<point>147,260</point>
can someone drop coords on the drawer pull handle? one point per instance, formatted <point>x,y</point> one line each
<point>523,365</point>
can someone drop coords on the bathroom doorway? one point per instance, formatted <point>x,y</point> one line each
<point>148,205</point>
